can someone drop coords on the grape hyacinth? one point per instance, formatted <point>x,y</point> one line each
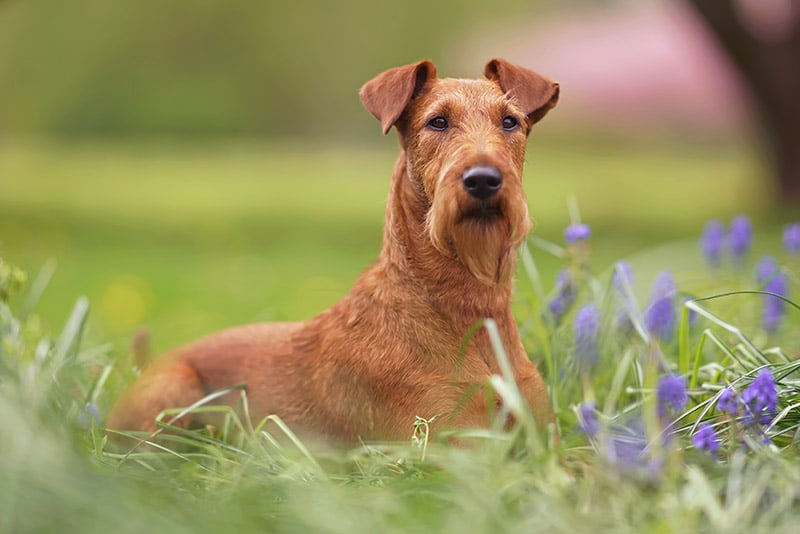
<point>712,241</point>
<point>623,276</point>
<point>89,414</point>
<point>586,328</point>
<point>773,306</point>
<point>692,314</point>
<point>663,285</point>
<point>766,268</point>
<point>761,397</point>
<point>660,316</point>
<point>629,453</point>
<point>741,236</point>
<point>791,238</point>
<point>622,282</point>
<point>577,232</point>
<point>671,395</point>
<point>728,402</point>
<point>628,450</point>
<point>705,439</point>
<point>588,419</point>
<point>775,281</point>
<point>566,293</point>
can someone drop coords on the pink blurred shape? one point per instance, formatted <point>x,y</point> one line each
<point>648,64</point>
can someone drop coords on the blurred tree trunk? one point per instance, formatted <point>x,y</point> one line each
<point>771,70</point>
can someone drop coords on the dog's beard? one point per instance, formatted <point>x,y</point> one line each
<point>483,238</point>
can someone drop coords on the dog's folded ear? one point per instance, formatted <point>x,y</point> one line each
<point>387,95</point>
<point>536,94</point>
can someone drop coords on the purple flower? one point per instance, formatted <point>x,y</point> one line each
<point>566,293</point>
<point>623,276</point>
<point>89,414</point>
<point>766,268</point>
<point>773,306</point>
<point>588,419</point>
<point>692,314</point>
<point>663,286</point>
<point>660,319</point>
<point>705,439</point>
<point>769,273</point>
<point>622,282</point>
<point>660,316</point>
<point>761,397</point>
<point>712,241</point>
<point>728,402</point>
<point>791,238</point>
<point>577,232</point>
<point>558,307</point>
<point>741,235</point>
<point>671,394</point>
<point>627,452</point>
<point>587,328</point>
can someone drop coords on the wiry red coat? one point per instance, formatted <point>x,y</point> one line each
<point>391,349</point>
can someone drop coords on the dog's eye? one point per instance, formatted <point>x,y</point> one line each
<point>510,123</point>
<point>438,123</point>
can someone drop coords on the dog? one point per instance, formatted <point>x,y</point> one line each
<point>396,346</point>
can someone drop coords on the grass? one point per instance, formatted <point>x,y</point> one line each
<point>200,267</point>
<point>185,239</point>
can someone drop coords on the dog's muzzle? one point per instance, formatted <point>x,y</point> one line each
<point>482,181</point>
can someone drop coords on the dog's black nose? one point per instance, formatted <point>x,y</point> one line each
<point>482,181</point>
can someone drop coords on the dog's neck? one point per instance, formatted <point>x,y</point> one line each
<point>410,258</point>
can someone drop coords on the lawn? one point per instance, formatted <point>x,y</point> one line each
<point>184,238</point>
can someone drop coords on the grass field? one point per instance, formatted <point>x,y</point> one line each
<point>187,238</point>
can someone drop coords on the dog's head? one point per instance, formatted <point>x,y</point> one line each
<point>464,143</point>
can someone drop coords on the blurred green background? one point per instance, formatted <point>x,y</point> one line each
<point>191,165</point>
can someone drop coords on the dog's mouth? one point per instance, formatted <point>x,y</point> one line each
<point>483,212</point>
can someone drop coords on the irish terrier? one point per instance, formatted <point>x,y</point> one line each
<point>394,348</point>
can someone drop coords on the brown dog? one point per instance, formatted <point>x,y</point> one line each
<point>392,349</point>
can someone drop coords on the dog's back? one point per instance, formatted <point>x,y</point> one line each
<point>394,348</point>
